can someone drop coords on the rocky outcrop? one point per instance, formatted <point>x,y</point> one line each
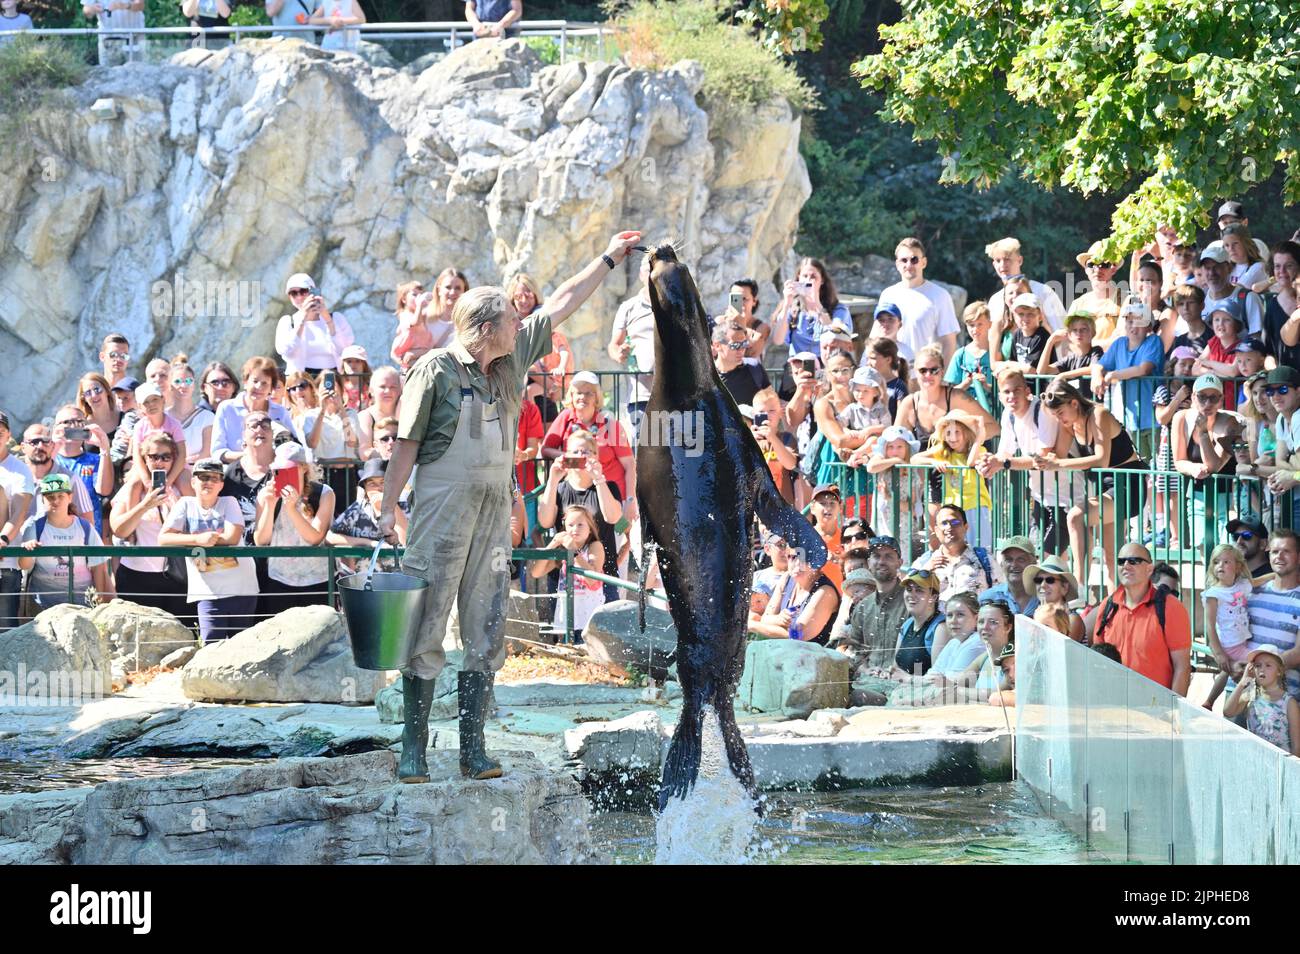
<point>300,655</point>
<point>306,811</point>
<point>177,216</point>
<point>59,658</point>
<point>613,636</point>
<point>141,636</point>
<point>793,678</point>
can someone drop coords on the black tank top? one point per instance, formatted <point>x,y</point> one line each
<point>912,656</point>
<point>1194,455</point>
<point>1122,450</point>
<point>823,637</point>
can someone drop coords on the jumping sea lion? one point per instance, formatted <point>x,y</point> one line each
<point>701,478</point>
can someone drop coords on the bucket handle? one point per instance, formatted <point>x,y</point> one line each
<point>374,561</point>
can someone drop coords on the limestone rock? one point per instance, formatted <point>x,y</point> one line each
<point>300,655</point>
<point>634,743</point>
<point>141,636</point>
<point>307,811</point>
<point>177,659</point>
<point>793,678</point>
<point>613,636</point>
<point>177,222</point>
<point>59,655</point>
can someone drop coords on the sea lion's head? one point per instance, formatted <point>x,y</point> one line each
<point>679,313</point>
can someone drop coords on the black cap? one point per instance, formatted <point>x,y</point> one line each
<point>1250,344</point>
<point>126,384</point>
<point>1248,521</point>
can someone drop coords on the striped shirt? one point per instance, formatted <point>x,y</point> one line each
<point>1275,620</point>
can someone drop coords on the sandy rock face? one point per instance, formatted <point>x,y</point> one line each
<point>177,217</point>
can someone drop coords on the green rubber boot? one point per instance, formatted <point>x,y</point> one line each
<point>417,700</point>
<point>472,691</point>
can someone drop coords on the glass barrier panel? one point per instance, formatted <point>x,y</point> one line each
<point>1105,699</point>
<point>1150,756</point>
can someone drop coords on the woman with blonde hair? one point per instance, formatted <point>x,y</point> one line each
<point>196,421</point>
<point>385,402</point>
<point>429,327</point>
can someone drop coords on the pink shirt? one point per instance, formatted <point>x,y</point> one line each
<point>170,425</point>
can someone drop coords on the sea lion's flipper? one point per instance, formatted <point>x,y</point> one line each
<point>786,522</point>
<point>682,765</point>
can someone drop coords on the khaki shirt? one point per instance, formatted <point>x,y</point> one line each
<point>874,626</point>
<point>431,393</point>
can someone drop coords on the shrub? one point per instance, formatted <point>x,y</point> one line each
<point>739,73</point>
<point>31,70</point>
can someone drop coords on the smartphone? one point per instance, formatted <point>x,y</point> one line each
<point>76,434</point>
<point>159,479</point>
<point>574,463</point>
<point>737,301</point>
<point>328,381</point>
<point>807,286</point>
<point>760,418</point>
<point>809,365</point>
<point>285,477</point>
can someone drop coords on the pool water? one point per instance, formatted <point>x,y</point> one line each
<point>997,823</point>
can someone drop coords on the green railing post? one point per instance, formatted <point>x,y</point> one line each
<point>568,596</point>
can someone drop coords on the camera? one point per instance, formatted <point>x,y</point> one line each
<point>760,418</point>
<point>809,365</point>
<point>574,463</point>
<point>159,479</point>
<point>76,434</point>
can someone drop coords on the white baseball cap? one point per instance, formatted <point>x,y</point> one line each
<point>586,377</point>
<point>147,390</point>
<point>1027,300</point>
<point>300,280</point>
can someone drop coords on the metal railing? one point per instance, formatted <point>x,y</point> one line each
<point>445,35</point>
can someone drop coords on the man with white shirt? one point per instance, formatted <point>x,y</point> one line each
<point>118,48</point>
<point>38,448</point>
<point>18,488</point>
<point>928,315</point>
<point>312,339</point>
<point>1028,431</point>
<point>633,344</point>
<point>1008,263</point>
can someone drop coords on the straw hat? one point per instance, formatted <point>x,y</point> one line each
<point>1094,250</point>
<point>1053,566</point>
<point>964,418</point>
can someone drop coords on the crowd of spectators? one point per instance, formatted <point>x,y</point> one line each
<point>1154,417</point>
<point>336,20</point>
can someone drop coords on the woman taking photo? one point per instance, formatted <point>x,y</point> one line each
<point>139,511</point>
<point>584,412</point>
<point>576,478</point>
<point>808,306</point>
<point>196,421</point>
<point>1090,437</point>
<point>293,510</point>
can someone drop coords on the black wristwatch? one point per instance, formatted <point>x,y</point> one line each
<point>609,261</point>
<point>4,538</point>
<point>1006,463</point>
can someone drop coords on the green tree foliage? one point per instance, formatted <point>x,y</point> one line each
<point>1173,102</point>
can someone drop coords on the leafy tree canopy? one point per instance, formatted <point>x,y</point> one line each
<point>1177,102</point>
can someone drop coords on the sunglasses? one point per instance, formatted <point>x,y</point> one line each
<point>927,370</point>
<point>38,441</point>
<point>72,422</point>
<point>850,537</point>
<point>952,522</point>
<point>159,457</point>
<point>298,387</point>
<point>206,478</point>
<point>1240,445</point>
<point>295,292</point>
<point>263,423</point>
<point>1243,535</point>
<point>96,389</point>
<point>1040,580</point>
<point>908,261</point>
<point>182,382</point>
<point>1280,389</point>
<point>1099,265</point>
<point>1131,561</point>
<point>1212,397</point>
<point>220,383</point>
<point>119,355</point>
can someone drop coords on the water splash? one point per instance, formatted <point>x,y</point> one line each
<point>715,822</point>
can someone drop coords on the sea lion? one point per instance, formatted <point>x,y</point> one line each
<point>701,478</point>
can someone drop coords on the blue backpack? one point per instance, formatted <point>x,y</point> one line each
<point>85,530</point>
